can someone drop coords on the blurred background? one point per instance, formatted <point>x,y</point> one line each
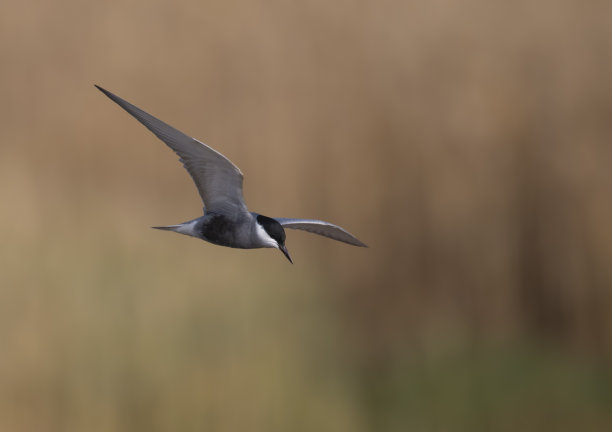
<point>468,143</point>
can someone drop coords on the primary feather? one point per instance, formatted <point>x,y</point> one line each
<point>218,180</point>
<point>322,228</point>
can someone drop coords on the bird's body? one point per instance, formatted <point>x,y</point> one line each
<point>240,230</point>
<point>226,220</point>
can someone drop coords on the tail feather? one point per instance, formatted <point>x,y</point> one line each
<point>187,228</point>
<point>168,227</point>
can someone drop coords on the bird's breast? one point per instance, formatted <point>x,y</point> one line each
<point>221,230</point>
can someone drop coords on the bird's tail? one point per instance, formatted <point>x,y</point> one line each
<point>168,227</point>
<point>187,228</point>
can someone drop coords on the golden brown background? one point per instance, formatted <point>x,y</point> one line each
<point>469,143</point>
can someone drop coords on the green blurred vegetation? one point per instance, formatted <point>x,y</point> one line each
<point>468,143</point>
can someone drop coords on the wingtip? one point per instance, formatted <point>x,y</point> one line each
<point>356,242</point>
<point>103,90</point>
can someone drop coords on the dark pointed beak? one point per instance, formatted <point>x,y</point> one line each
<point>284,250</point>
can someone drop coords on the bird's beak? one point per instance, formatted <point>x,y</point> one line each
<point>284,250</point>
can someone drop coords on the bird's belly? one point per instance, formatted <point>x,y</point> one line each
<point>220,230</point>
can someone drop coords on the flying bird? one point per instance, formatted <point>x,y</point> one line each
<point>226,220</point>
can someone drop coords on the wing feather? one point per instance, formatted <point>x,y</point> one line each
<point>321,228</point>
<point>218,180</point>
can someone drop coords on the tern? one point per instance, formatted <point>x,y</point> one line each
<point>226,220</point>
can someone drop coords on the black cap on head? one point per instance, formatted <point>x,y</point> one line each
<point>273,228</point>
<point>276,231</point>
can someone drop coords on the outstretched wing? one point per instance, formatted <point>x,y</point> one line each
<point>218,180</point>
<point>322,228</point>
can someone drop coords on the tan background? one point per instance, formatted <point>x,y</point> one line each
<point>468,143</point>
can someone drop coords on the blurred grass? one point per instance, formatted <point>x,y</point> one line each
<point>105,341</point>
<point>493,388</point>
<point>468,143</point>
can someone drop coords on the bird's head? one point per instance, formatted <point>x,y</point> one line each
<point>272,234</point>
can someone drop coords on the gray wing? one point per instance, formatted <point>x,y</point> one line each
<point>322,228</point>
<point>218,180</point>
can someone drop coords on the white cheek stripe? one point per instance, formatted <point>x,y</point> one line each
<point>265,237</point>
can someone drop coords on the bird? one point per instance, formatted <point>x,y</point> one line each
<point>226,221</point>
